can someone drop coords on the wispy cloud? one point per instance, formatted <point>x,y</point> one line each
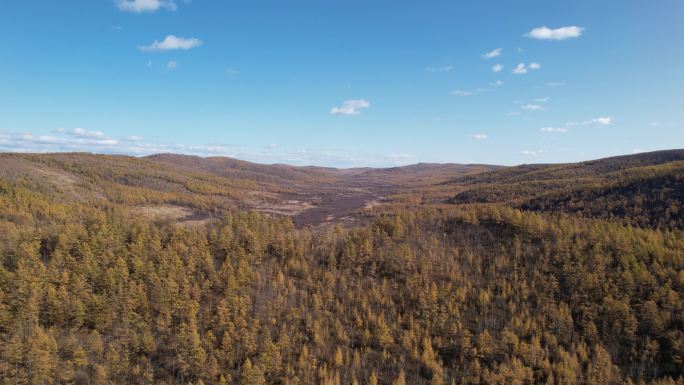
<point>461,93</point>
<point>172,42</point>
<point>172,65</point>
<point>532,107</point>
<point>542,100</point>
<point>81,133</point>
<point>470,92</point>
<point>523,68</point>
<point>493,53</point>
<point>497,68</point>
<point>351,107</point>
<point>603,121</point>
<point>81,140</point>
<point>562,33</point>
<point>553,129</point>
<point>138,6</point>
<point>439,69</point>
<point>533,153</point>
<point>498,83</point>
<point>76,139</point>
<point>555,84</point>
<point>478,136</point>
<point>520,69</point>
<point>658,123</point>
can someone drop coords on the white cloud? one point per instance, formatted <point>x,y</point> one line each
<point>604,121</point>
<point>80,133</point>
<point>76,139</point>
<point>553,129</point>
<point>60,141</point>
<point>172,42</point>
<point>138,6</point>
<point>542,100</point>
<point>471,92</point>
<point>335,158</point>
<point>478,136</point>
<point>172,65</point>
<point>532,153</point>
<point>439,69</point>
<point>498,83</point>
<point>461,93</point>
<point>497,67</point>
<point>532,107</point>
<point>492,54</point>
<point>351,107</point>
<point>522,68</point>
<point>562,33</point>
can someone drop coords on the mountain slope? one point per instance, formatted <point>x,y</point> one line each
<point>592,168</point>
<point>643,189</point>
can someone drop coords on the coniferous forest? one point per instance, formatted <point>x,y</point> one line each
<point>537,274</point>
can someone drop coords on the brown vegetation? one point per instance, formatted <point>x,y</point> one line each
<point>112,288</point>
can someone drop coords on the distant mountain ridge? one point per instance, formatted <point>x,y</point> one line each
<point>642,189</point>
<point>207,187</point>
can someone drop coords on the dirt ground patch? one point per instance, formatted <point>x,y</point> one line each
<point>182,215</point>
<point>291,207</point>
<point>345,206</point>
<point>164,212</point>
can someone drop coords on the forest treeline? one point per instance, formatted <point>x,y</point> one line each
<point>446,294</point>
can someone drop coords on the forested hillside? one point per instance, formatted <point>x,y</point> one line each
<point>528,290</point>
<point>645,190</point>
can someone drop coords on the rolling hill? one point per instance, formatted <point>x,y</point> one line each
<point>173,269</point>
<point>643,189</point>
<point>190,187</point>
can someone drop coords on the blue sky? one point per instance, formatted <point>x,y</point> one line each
<point>344,83</point>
